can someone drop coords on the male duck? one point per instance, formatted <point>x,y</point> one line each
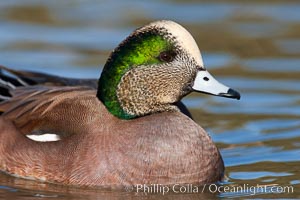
<point>129,131</point>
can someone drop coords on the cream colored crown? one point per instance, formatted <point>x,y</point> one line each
<point>182,36</point>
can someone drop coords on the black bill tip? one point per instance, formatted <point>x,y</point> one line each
<point>231,93</point>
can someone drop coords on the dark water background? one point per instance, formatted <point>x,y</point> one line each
<point>253,46</point>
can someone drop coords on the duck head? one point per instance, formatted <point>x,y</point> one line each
<point>152,69</point>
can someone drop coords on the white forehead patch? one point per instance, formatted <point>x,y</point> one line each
<point>183,38</point>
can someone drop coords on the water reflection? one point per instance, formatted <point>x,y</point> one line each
<point>253,47</point>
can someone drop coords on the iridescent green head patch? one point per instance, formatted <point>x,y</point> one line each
<point>140,48</point>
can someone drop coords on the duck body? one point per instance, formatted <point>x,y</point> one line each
<point>104,150</point>
<point>129,128</point>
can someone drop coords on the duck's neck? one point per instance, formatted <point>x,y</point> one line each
<point>107,89</point>
<point>133,52</point>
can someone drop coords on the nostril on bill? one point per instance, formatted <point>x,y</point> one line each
<point>206,78</point>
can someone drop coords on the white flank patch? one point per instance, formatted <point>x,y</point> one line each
<point>44,138</point>
<point>183,37</point>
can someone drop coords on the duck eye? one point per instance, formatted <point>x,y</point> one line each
<point>166,56</point>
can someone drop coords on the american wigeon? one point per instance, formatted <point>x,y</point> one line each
<point>125,130</point>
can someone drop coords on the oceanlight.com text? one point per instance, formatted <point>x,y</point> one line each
<point>211,188</point>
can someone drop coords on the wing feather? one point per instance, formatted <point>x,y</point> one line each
<point>41,109</point>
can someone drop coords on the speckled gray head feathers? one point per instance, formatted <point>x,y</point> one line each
<point>151,70</point>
